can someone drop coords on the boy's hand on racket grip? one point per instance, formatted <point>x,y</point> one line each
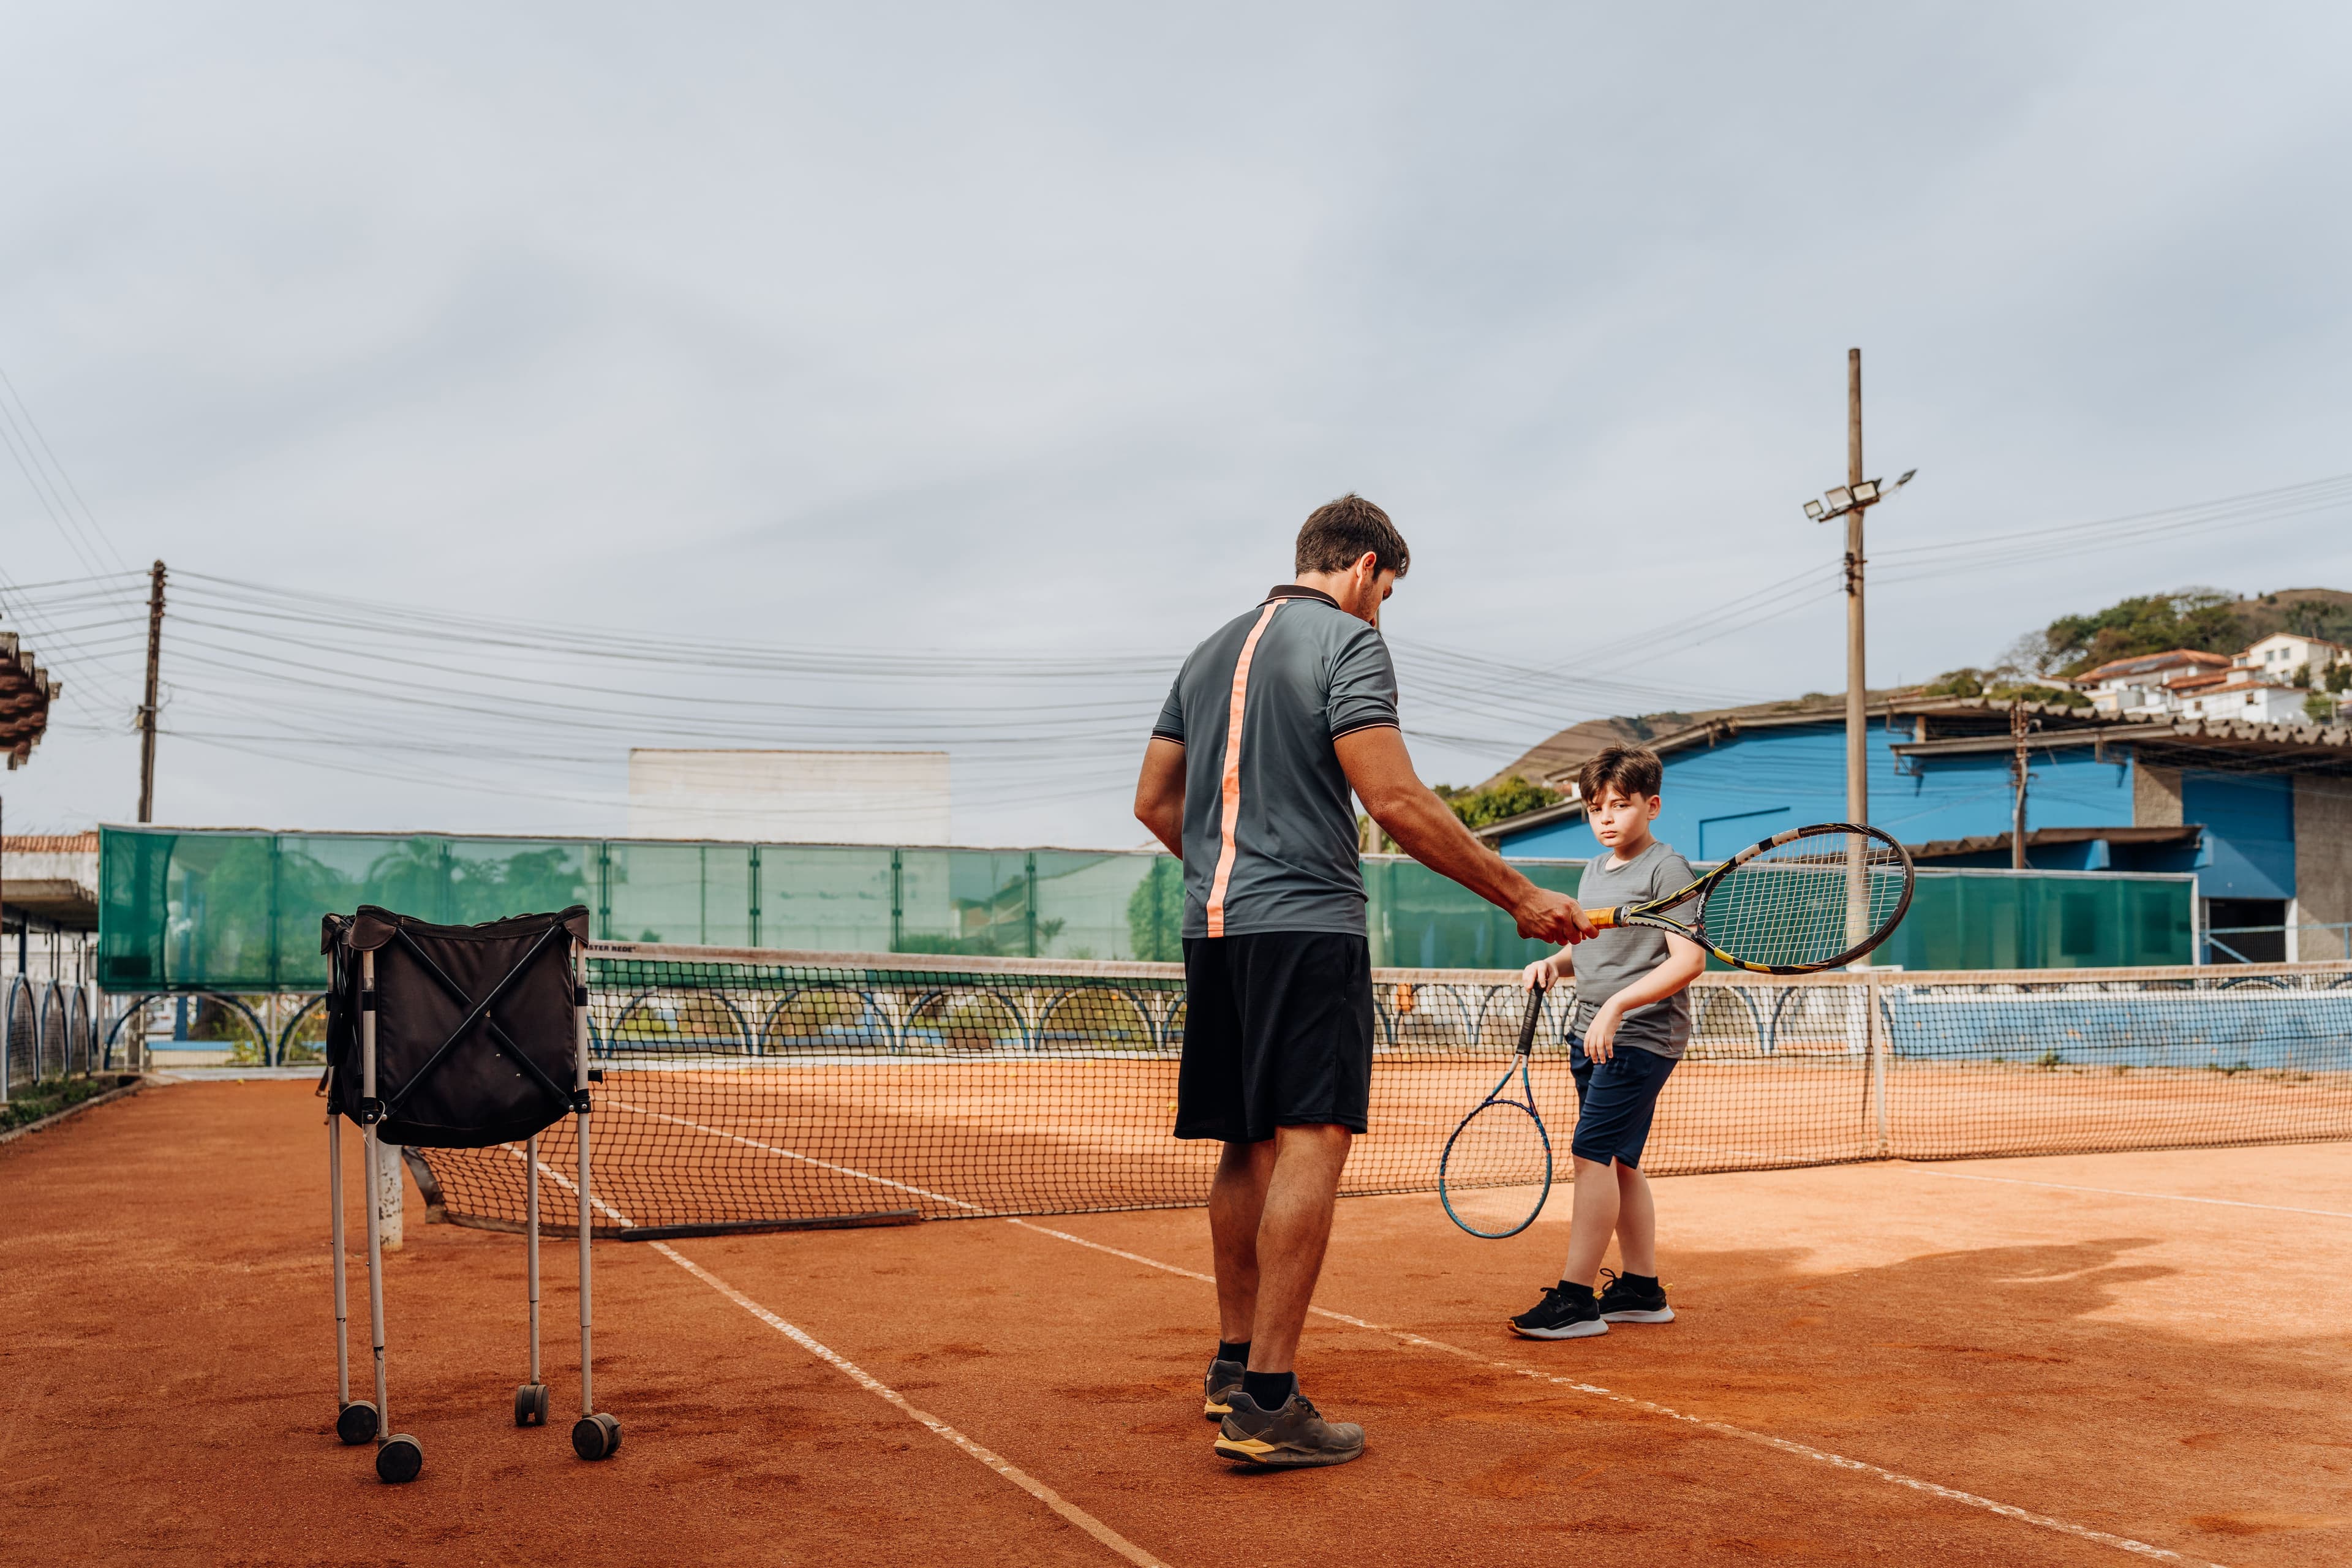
<point>1547,915</point>
<point>1538,976</point>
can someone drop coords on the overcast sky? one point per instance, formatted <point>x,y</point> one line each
<point>1036,331</point>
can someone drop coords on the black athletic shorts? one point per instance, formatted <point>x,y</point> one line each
<point>1277,1033</point>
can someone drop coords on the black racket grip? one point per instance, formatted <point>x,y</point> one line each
<point>1528,1027</point>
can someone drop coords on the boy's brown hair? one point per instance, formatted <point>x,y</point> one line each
<point>1633,769</point>
<point>1341,533</point>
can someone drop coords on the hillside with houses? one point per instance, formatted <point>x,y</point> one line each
<point>2284,658</point>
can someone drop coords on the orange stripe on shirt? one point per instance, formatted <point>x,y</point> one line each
<point>1228,845</point>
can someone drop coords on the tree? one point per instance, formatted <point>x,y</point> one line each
<point>2001,683</point>
<point>2320,708</point>
<point>2200,618</point>
<point>1155,913</point>
<point>2318,618</point>
<point>1503,798</point>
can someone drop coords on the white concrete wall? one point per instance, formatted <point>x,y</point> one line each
<point>2264,705</point>
<point>805,797</point>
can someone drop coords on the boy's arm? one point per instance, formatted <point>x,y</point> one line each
<point>1685,960</point>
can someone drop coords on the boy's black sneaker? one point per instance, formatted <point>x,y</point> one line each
<point>1560,1315</point>
<point>1293,1438</point>
<point>1223,1381</point>
<point>1623,1302</point>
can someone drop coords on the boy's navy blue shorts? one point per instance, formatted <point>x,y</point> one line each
<point>1615,1099</point>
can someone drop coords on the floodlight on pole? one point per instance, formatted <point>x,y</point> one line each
<point>1855,496</point>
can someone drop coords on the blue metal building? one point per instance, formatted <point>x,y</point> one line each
<point>2261,814</point>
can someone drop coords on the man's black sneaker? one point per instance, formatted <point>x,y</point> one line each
<point>1623,1301</point>
<point>1218,1388</point>
<point>1292,1438</point>
<point>1560,1315</point>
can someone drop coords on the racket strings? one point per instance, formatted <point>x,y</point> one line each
<point>1808,902</point>
<point>1500,1146</point>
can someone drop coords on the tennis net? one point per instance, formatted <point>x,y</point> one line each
<point>746,1090</point>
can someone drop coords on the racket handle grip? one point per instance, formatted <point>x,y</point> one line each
<point>1602,919</point>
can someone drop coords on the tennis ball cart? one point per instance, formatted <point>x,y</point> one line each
<point>457,1037</point>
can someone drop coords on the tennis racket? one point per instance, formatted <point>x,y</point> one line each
<point>1503,1142</point>
<point>1807,899</point>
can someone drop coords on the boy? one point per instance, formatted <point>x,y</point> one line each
<point>1633,1023</point>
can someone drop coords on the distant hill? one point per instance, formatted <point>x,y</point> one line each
<point>2312,612</point>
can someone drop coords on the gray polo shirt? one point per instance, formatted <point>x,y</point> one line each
<point>1269,825</point>
<point>1607,963</point>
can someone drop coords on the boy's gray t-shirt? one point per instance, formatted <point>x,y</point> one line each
<point>1607,963</point>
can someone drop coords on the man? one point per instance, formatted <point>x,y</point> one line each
<point>1271,723</point>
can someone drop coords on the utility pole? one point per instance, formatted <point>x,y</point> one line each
<point>1850,500</point>
<point>2017,728</point>
<point>1857,714</point>
<point>147,709</point>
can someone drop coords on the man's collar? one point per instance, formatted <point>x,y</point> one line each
<point>1298,591</point>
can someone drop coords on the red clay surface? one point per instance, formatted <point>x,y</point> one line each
<point>2165,1371</point>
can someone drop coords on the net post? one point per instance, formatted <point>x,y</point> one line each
<point>1878,1048</point>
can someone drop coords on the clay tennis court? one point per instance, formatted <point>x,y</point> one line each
<point>2079,1359</point>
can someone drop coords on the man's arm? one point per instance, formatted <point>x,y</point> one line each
<point>1160,793</point>
<point>1426,828</point>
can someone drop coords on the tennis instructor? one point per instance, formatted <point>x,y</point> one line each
<point>1272,722</point>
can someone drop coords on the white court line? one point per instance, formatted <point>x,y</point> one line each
<point>2120,1193</point>
<point>1003,1466</point>
<point>794,1154</point>
<point>558,1177</point>
<point>1820,1455</point>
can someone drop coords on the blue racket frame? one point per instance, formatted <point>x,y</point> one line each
<point>1498,1097</point>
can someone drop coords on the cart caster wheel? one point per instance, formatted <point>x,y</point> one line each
<point>596,1437</point>
<point>531,1404</point>
<point>356,1423</point>
<point>398,1459</point>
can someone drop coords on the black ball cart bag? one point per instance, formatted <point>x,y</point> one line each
<point>457,1037</point>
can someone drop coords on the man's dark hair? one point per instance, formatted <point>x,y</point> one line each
<point>1338,533</point>
<point>1633,769</point>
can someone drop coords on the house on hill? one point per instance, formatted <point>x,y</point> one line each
<point>2151,682</point>
<point>2260,813</point>
<point>2292,659</point>
<point>2270,683</point>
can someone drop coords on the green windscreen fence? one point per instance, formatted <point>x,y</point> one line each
<point>238,911</point>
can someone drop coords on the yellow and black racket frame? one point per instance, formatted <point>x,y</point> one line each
<point>1651,916</point>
